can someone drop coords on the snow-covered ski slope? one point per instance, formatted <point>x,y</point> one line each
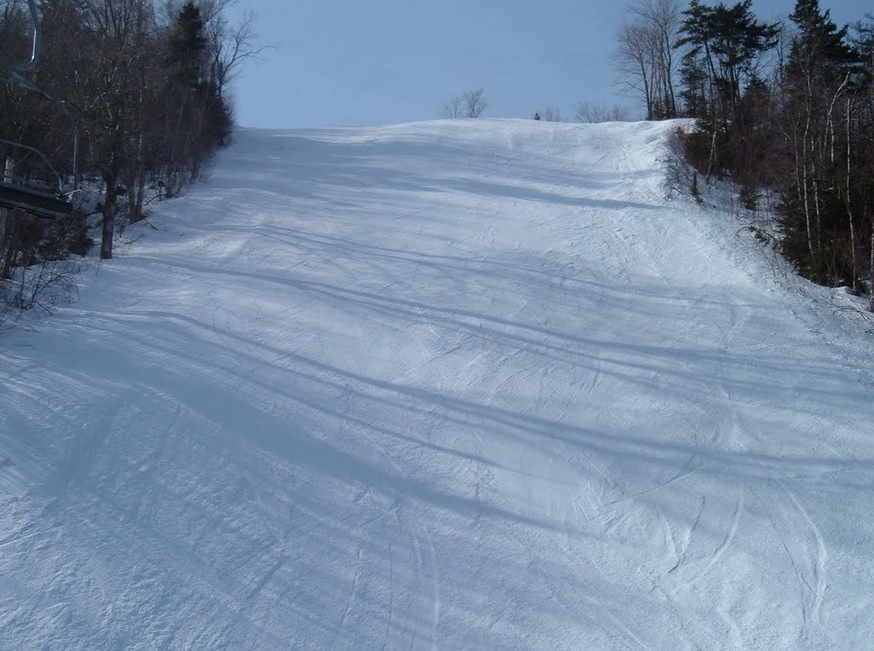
<point>445,385</point>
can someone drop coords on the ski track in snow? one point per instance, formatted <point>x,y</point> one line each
<point>444,385</point>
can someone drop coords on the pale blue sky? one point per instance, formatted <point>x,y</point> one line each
<point>370,62</point>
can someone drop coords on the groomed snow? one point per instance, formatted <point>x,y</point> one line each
<point>453,384</point>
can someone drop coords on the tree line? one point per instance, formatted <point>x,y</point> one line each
<point>786,106</point>
<point>142,83</point>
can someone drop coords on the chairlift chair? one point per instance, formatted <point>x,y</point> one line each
<point>17,196</point>
<point>38,204</point>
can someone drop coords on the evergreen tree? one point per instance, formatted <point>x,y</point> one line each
<point>188,47</point>
<point>818,44</point>
<point>725,43</point>
<point>198,118</point>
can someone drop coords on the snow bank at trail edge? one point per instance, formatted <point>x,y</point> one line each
<point>452,384</point>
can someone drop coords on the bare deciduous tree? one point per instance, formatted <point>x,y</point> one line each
<point>550,114</point>
<point>645,55</point>
<point>475,103</point>
<point>470,104</point>
<point>452,108</point>
<point>591,113</point>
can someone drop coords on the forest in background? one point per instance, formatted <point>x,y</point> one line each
<point>128,100</point>
<point>784,108</point>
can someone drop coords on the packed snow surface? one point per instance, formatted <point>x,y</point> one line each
<point>453,384</point>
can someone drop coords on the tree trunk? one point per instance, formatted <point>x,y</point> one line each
<point>109,207</point>
<point>871,268</point>
<point>6,238</point>
<point>849,204</point>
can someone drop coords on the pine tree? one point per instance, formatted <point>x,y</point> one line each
<point>188,46</point>
<point>198,118</point>
<point>724,43</point>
